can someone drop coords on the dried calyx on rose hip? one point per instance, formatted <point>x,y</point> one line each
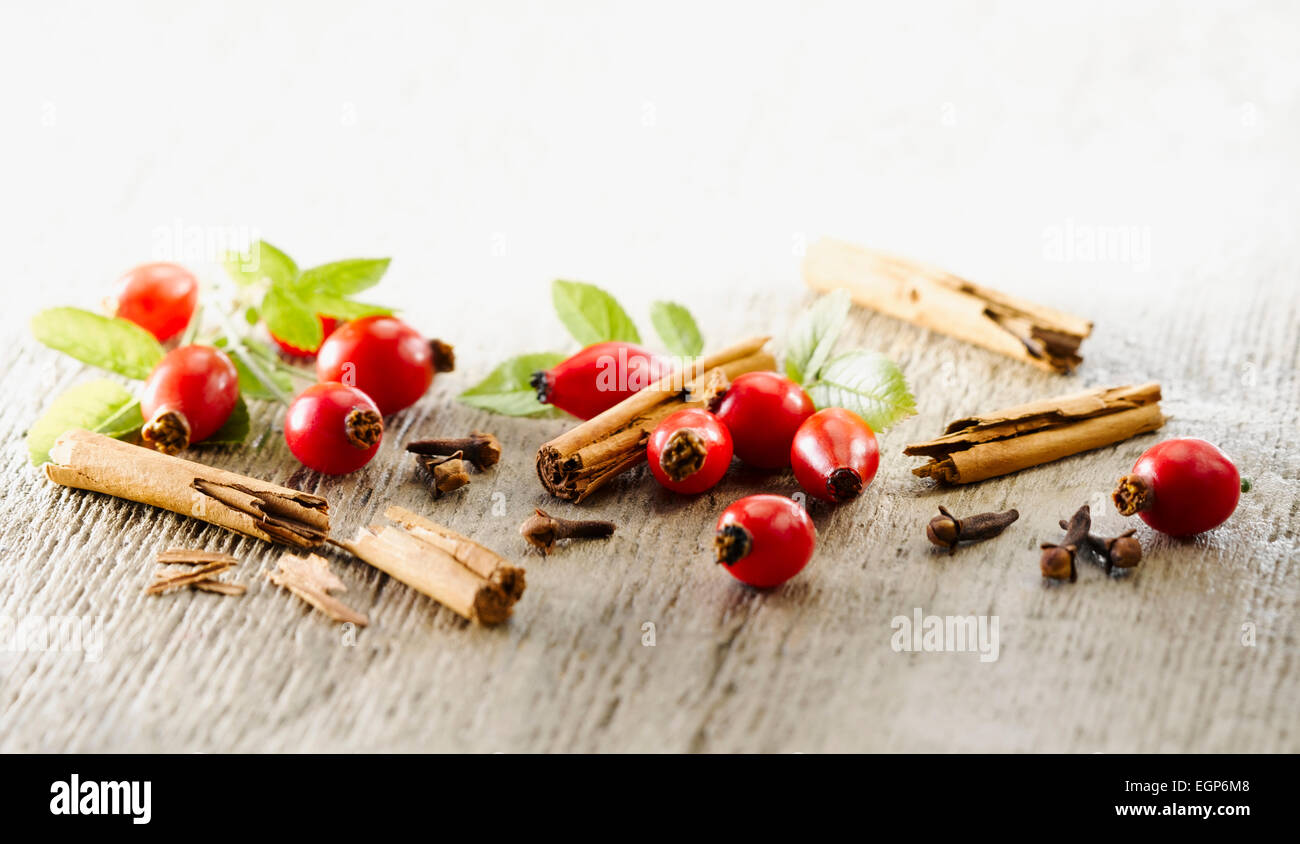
<point>834,455</point>
<point>385,358</point>
<point>763,411</point>
<point>689,451</point>
<point>764,540</point>
<point>333,428</point>
<point>188,397</point>
<point>158,297</point>
<point>1180,487</point>
<point>598,377</point>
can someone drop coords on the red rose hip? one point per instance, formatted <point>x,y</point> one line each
<point>834,455</point>
<point>333,428</point>
<point>598,377</point>
<point>188,397</point>
<point>762,410</point>
<point>764,540</point>
<point>159,298</point>
<point>1180,487</point>
<point>385,358</point>
<point>689,451</point>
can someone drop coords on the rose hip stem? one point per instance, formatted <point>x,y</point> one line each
<point>480,448</point>
<point>947,530</point>
<point>542,530</point>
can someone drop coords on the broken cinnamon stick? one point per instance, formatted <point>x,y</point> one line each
<point>166,582</point>
<point>940,301</point>
<point>583,459</point>
<point>310,578</point>
<point>478,558</point>
<point>1014,438</point>
<point>94,462</point>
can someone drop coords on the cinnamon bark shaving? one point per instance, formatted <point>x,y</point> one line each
<point>310,578</point>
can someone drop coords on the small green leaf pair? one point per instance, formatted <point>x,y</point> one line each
<point>592,316</point>
<point>294,299</point>
<point>867,383</point>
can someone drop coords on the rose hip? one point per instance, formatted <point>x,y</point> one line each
<point>689,451</point>
<point>764,540</point>
<point>598,377</point>
<point>834,455</point>
<point>159,298</point>
<point>385,358</point>
<point>1180,487</point>
<point>333,428</point>
<point>188,397</point>
<point>763,410</point>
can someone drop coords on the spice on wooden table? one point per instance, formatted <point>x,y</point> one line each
<point>940,301</point>
<point>583,459</point>
<point>542,530</point>
<point>946,530</point>
<point>206,566</point>
<point>988,445</point>
<point>310,578</point>
<point>255,508</point>
<point>481,449</point>
<point>1057,560</point>
<point>446,473</point>
<point>478,558</point>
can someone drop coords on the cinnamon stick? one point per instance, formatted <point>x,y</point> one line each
<point>1014,438</point>
<point>94,462</point>
<point>580,461</point>
<point>478,558</point>
<point>943,302</point>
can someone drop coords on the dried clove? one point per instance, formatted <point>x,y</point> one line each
<point>542,530</point>
<point>447,473</point>
<point>947,530</point>
<point>1122,552</point>
<point>480,448</point>
<point>1058,560</point>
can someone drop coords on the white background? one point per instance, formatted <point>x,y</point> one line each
<point>653,148</point>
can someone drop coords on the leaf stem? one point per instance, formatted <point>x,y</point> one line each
<point>237,347</point>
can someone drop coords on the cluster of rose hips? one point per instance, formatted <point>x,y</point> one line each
<point>367,369</point>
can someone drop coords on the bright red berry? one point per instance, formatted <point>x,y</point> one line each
<point>834,454</point>
<point>764,540</point>
<point>763,410</point>
<point>327,326</point>
<point>1180,487</point>
<point>598,377</point>
<point>333,428</point>
<point>689,451</point>
<point>385,358</point>
<point>188,397</point>
<point>159,298</point>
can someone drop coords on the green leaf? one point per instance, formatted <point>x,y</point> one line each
<point>507,389</point>
<point>291,319</point>
<point>261,261</point>
<point>676,328</point>
<point>867,383</point>
<point>340,308</point>
<point>107,342</point>
<point>104,406</point>
<point>814,334</point>
<point>235,431</point>
<point>252,387</point>
<point>344,278</point>
<point>591,314</point>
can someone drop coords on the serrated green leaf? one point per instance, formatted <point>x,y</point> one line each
<point>104,406</point>
<point>591,314</point>
<point>813,336</point>
<point>107,342</point>
<point>676,328</point>
<point>867,383</point>
<point>507,390</point>
<point>291,319</point>
<point>235,431</point>
<point>341,308</point>
<point>261,261</point>
<point>344,278</point>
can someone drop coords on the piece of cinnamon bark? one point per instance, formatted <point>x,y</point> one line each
<point>578,462</point>
<point>1014,438</point>
<point>310,578</point>
<point>94,462</point>
<point>940,301</point>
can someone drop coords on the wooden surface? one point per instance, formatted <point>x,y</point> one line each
<point>1151,661</point>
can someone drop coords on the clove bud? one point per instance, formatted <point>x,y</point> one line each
<point>480,448</point>
<point>1122,552</point>
<point>947,530</point>
<point>542,530</point>
<point>1057,561</point>
<point>446,473</point>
